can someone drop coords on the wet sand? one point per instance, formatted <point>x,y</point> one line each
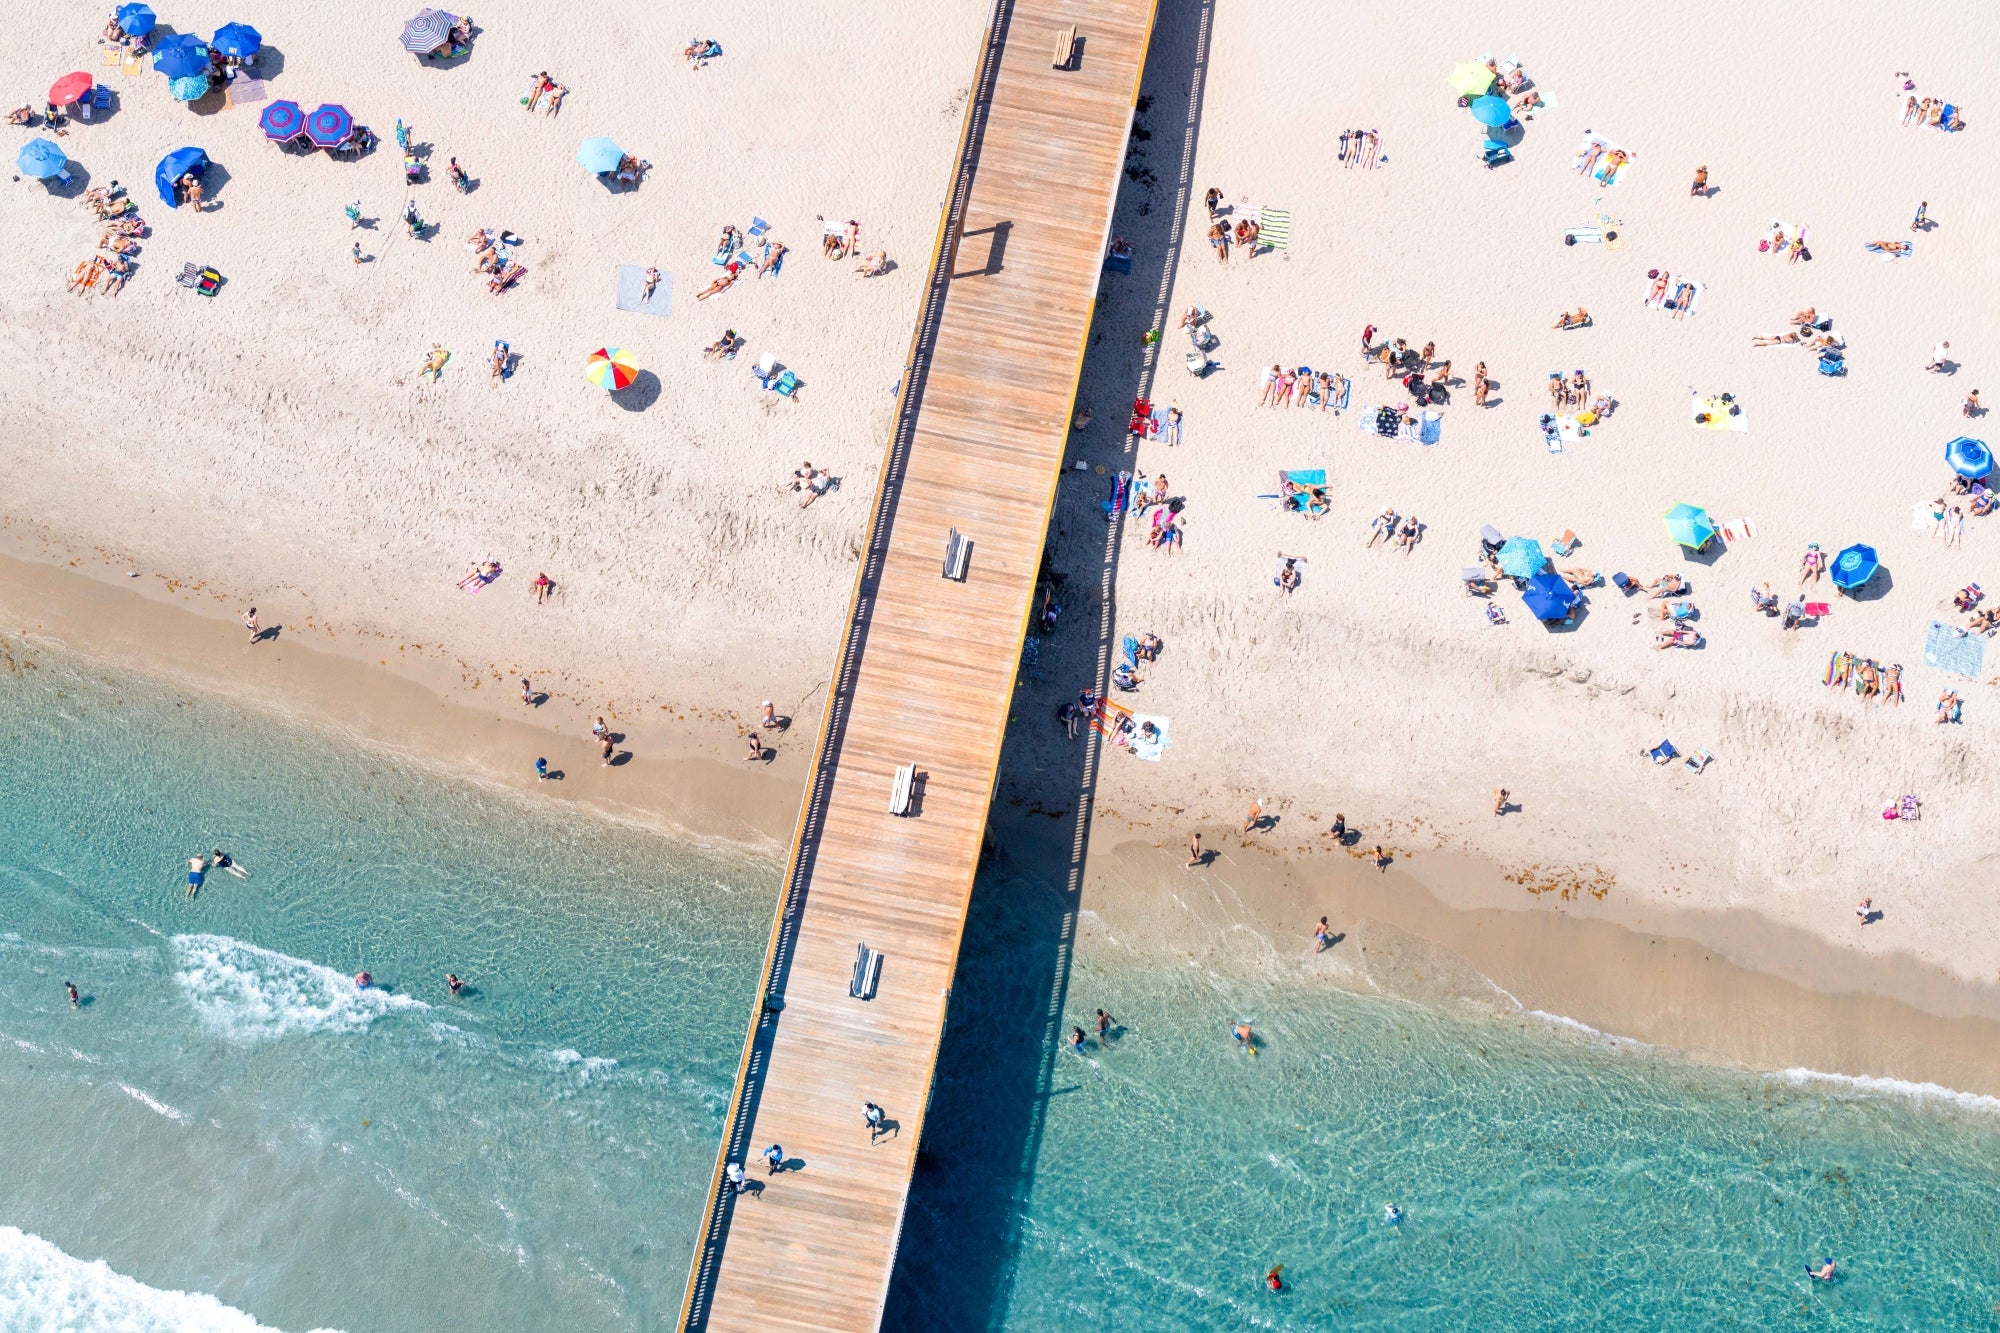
<point>1735,988</point>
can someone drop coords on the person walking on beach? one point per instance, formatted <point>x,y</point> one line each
<point>872,1113</point>
<point>74,1000</point>
<point>608,749</point>
<point>1367,338</point>
<point>1499,800</point>
<point>250,623</point>
<point>770,718</point>
<point>1917,222</point>
<point>1971,407</point>
<point>541,770</point>
<point>1939,356</point>
<point>1322,937</point>
<point>1338,829</point>
<point>775,1155</point>
<point>527,692</point>
<point>1381,858</point>
<point>756,749</point>
<point>1214,200</point>
<point>1194,851</point>
<point>357,253</point>
<point>1700,188</point>
<point>1255,817</point>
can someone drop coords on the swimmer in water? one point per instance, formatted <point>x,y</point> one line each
<point>70,986</point>
<point>1076,1040</point>
<point>1274,1279</point>
<point>1241,1031</point>
<point>453,982</point>
<point>362,980</point>
<point>1104,1022</point>
<point>1392,1214</point>
<point>1824,1273</point>
<point>197,871</point>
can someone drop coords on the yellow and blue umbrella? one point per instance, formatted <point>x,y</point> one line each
<point>1470,78</point>
<point>611,368</point>
<point>1855,566</point>
<point>40,159</point>
<point>1969,458</point>
<point>1690,525</point>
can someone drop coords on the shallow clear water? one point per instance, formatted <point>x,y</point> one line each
<point>227,1117</point>
<point>227,1114</point>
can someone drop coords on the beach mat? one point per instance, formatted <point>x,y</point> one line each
<point>1306,476</point>
<point>242,92</point>
<point>1718,415</point>
<point>1949,648</point>
<point>1150,751</point>
<point>1274,227</point>
<point>632,281</point>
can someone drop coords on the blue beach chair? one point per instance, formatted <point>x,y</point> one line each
<point>1664,752</point>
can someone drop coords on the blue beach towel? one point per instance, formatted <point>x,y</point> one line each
<point>1307,477</point>
<point>1949,648</point>
<point>632,281</point>
<point>1131,647</point>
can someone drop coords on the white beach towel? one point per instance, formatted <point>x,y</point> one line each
<point>1777,229</point>
<point>1719,417</point>
<point>1150,751</point>
<point>1738,530</point>
<point>1597,170</point>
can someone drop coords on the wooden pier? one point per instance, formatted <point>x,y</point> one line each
<point>926,677</point>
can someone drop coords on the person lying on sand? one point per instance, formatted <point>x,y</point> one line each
<point>1772,339</point>
<point>872,265</point>
<point>721,284</point>
<point>773,252</point>
<point>1889,247</point>
<point>1573,321</point>
<point>1576,576</point>
<point>1680,638</point>
<point>1809,315</point>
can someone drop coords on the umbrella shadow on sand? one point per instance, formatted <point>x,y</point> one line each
<point>79,181</point>
<point>1875,589</point>
<point>640,394</point>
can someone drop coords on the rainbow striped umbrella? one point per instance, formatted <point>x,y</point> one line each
<point>329,126</point>
<point>611,368</point>
<point>282,121</point>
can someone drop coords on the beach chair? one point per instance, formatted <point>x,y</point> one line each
<point>867,972</point>
<point>1664,752</point>
<point>1497,156</point>
<point>98,97</point>
<point>957,555</point>
<point>1831,363</point>
<point>1624,583</point>
<point>1490,539</point>
<point>902,792</point>
<point>1065,46</point>
<point>1699,760</point>
<point>1198,364</point>
<point>1478,580</point>
<point>208,282</point>
<point>765,370</point>
<point>757,228</point>
<point>786,384</point>
<point>188,276</point>
<point>1566,543</point>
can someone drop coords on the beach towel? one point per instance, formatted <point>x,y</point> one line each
<point>242,91</point>
<point>1949,648</point>
<point>1694,299</point>
<point>1306,477</point>
<point>1718,414</point>
<point>1890,256</point>
<point>1599,168</point>
<point>110,55</point>
<point>1738,530</point>
<point>632,281</point>
<point>1150,751</point>
<point>1274,227</point>
<point>1778,237</point>
<point>136,65</point>
<point>1584,236</point>
<point>1131,646</point>
<point>1430,428</point>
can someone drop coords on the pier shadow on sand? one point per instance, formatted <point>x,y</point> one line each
<point>997,1065</point>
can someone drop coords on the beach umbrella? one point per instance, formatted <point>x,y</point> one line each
<point>187,89</point>
<point>134,20</point>
<point>1690,525</point>
<point>1548,597</point>
<point>181,162</point>
<point>429,30</point>
<point>1969,458</point>
<point>1521,557</point>
<point>69,88</point>
<point>1854,566</point>
<point>282,121</point>
<point>329,125</point>
<point>599,155</point>
<point>40,159</point>
<point>1470,78</point>
<point>237,39</point>
<point>181,56</point>
<point>611,368</point>
<point>1491,111</point>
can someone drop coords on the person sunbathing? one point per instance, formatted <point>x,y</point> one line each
<point>434,362</point>
<point>872,265</point>
<point>1408,536</point>
<point>773,253</point>
<point>1680,638</point>
<point>1580,578</point>
<point>1573,321</point>
<point>118,245</point>
<point>1667,585</point>
<point>556,95</point>
<point>500,358</point>
<point>1947,706</point>
<point>1590,157</point>
<point>1618,158</point>
<point>1811,565</point>
<point>1802,318</point>
<point>1527,104</point>
<point>115,264</point>
<point>1772,339</point>
<point>1985,622</point>
<point>721,284</point>
<point>1983,503</point>
<point>1909,110</point>
<point>1383,526</point>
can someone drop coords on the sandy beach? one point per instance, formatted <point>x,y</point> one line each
<point>275,446</point>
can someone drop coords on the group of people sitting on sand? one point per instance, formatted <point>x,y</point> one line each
<point>1932,111</point>
<point>1869,678</point>
<point>493,255</point>
<point>545,93</point>
<point>1399,530</point>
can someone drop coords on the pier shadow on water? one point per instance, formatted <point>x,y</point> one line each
<point>998,1066</point>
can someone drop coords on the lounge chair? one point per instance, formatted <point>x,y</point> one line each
<point>786,384</point>
<point>901,792</point>
<point>1065,46</point>
<point>1565,544</point>
<point>1490,538</point>
<point>1664,752</point>
<point>1198,364</point>
<point>1624,583</point>
<point>1699,760</point>
<point>1500,156</point>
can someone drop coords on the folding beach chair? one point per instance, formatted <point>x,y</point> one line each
<point>1664,752</point>
<point>1566,543</point>
<point>1699,760</point>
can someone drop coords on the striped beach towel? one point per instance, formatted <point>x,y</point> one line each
<point>1274,227</point>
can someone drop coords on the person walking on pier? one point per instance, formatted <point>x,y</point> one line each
<point>873,1115</point>
<point>775,1155</point>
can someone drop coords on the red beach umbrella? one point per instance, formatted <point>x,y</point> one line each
<point>70,88</point>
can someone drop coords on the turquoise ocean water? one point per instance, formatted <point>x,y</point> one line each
<point>228,1134</point>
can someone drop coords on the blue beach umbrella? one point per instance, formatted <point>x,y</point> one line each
<point>1690,525</point>
<point>1854,567</point>
<point>599,155</point>
<point>282,120</point>
<point>429,30</point>
<point>1521,557</point>
<point>1491,111</point>
<point>181,56</point>
<point>134,20</point>
<point>1969,458</point>
<point>329,125</point>
<point>181,162</point>
<point>1547,597</point>
<point>40,159</point>
<point>237,39</point>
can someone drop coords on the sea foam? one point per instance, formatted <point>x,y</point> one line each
<point>1894,1087</point>
<point>246,994</point>
<point>43,1288</point>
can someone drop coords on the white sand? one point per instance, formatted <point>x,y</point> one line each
<point>274,443</point>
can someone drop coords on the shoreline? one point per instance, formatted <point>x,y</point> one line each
<point>1736,988</point>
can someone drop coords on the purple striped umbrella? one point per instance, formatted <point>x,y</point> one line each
<point>282,121</point>
<point>329,126</point>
